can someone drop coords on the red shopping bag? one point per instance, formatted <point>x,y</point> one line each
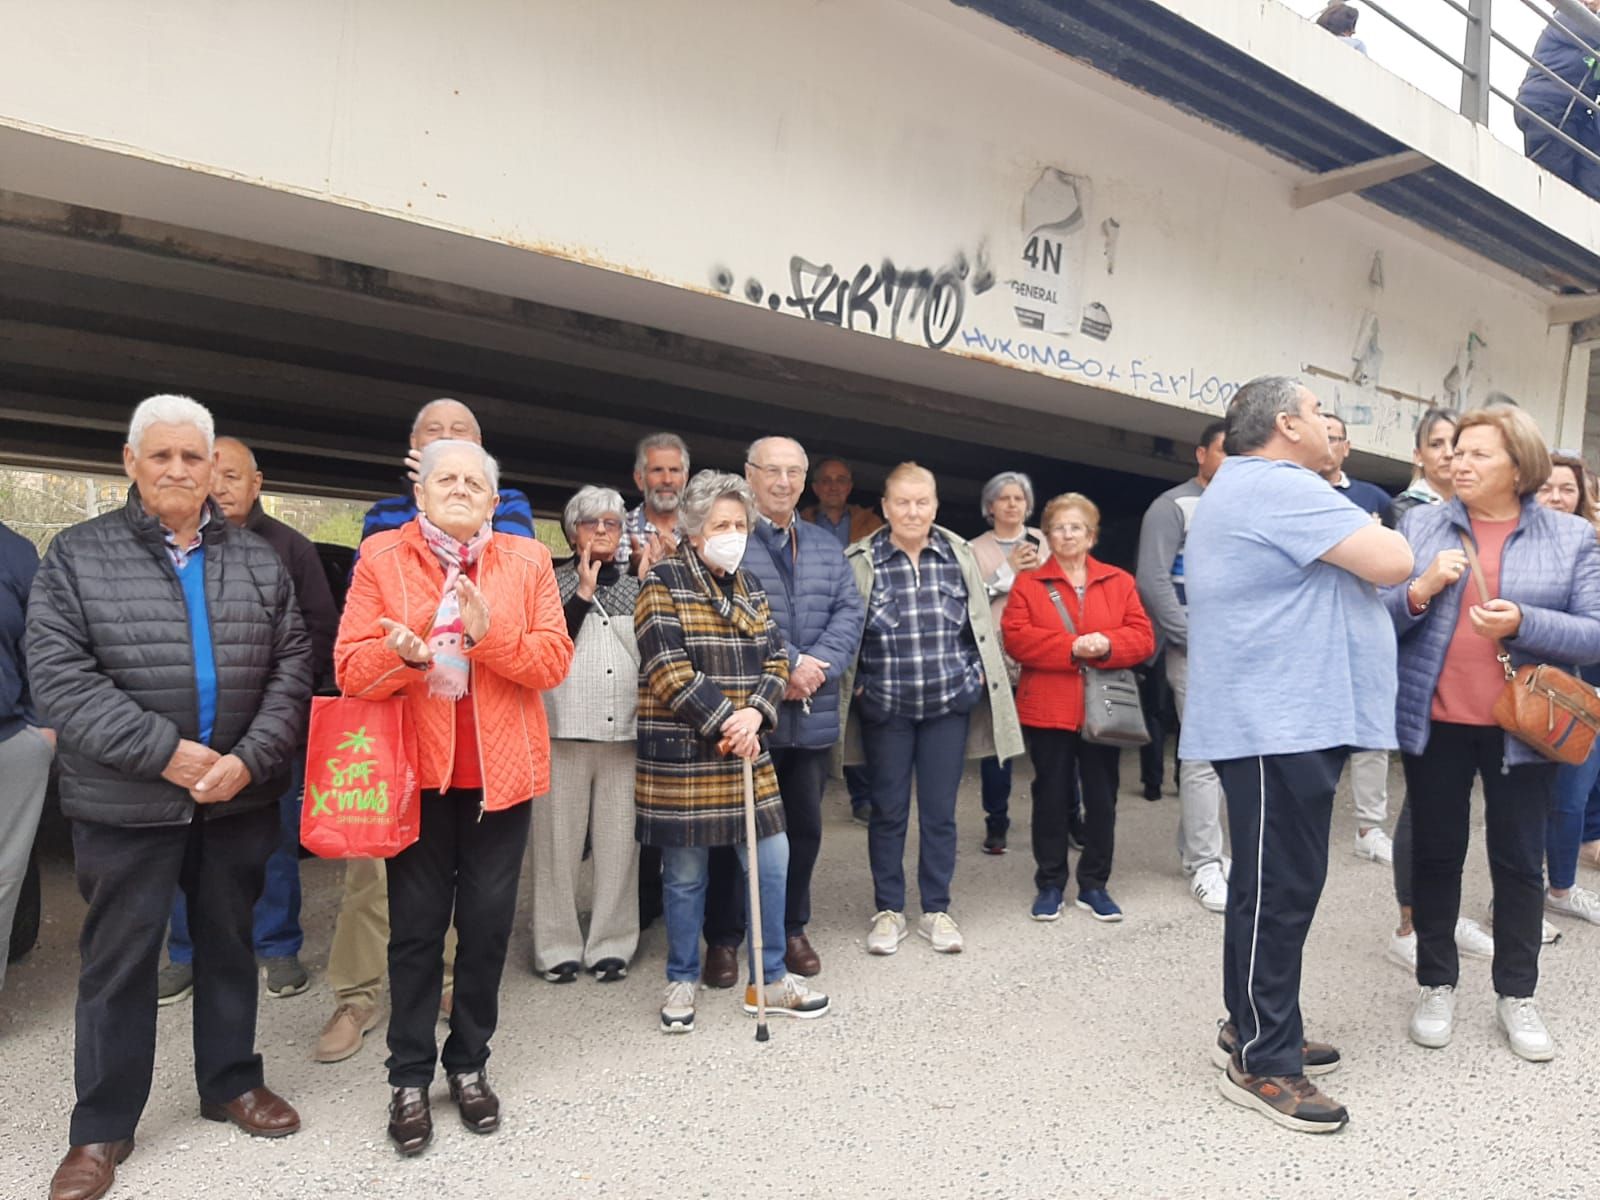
<point>362,797</point>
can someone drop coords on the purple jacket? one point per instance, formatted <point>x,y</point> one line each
<point>1550,568</point>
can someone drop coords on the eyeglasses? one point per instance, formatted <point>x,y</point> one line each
<point>778,472</point>
<point>609,524</point>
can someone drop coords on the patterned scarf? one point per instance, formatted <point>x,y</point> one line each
<point>451,671</point>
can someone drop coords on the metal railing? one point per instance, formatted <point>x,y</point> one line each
<point>1482,38</point>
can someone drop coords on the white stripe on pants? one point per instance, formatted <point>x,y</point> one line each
<point>591,791</point>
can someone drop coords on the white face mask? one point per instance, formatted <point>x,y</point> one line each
<point>725,550</point>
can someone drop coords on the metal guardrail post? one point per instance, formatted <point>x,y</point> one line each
<point>1475,58</point>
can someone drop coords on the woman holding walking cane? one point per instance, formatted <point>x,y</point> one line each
<point>712,671</point>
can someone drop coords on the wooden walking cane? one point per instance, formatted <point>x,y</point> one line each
<point>757,965</point>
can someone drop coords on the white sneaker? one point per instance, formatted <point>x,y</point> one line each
<point>677,1011</point>
<point>1434,1018</point>
<point>788,997</point>
<point>1579,902</point>
<point>940,929</point>
<point>1473,939</point>
<point>1402,951</point>
<point>888,931</point>
<point>1376,846</point>
<point>1210,887</point>
<point>1518,1017</point>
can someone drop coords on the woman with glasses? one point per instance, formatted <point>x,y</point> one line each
<point>1072,612</point>
<point>591,758</point>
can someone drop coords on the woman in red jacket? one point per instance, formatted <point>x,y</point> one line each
<point>1112,631</point>
<point>466,625</point>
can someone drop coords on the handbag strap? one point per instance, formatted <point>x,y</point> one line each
<point>1482,584</point>
<point>1066,617</point>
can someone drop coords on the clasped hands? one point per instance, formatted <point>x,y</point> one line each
<point>210,777</point>
<point>1091,645</point>
<point>805,677</point>
<point>413,648</point>
<point>741,734</point>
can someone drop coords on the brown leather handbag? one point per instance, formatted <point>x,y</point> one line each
<point>1541,705</point>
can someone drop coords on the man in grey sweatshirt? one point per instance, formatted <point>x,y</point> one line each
<point>1160,579</point>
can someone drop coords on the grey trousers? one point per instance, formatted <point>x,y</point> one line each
<point>1369,784</point>
<point>1199,789</point>
<point>24,770</point>
<point>591,791</point>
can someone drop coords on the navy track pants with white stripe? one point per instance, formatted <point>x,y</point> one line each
<point>1279,810</point>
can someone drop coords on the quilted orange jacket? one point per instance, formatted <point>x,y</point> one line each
<point>525,652</point>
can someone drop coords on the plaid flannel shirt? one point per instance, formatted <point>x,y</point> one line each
<point>918,659</point>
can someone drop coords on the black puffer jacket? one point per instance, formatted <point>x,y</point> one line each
<point>112,667</point>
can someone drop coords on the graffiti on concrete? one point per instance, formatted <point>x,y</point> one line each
<point>1141,376</point>
<point>885,299</point>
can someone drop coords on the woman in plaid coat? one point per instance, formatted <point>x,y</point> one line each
<point>712,671</point>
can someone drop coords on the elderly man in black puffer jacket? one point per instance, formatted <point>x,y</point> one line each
<point>167,650</point>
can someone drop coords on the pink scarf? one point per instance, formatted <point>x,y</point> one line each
<point>451,670</point>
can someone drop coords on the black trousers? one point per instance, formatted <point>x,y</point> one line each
<point>1516,804</point>
<point>128,876</point>
<point>1062,761</point>
<point>1279,809</point>
<point>1153,692</point>
<point>802,776</point>
<point>465,862</point>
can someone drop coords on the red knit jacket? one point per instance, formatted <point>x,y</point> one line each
<point>1050,693</point>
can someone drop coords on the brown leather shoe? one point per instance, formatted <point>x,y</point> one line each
<point>480,1107</point>
<point>260,1112</point>
<point>800,958</point>
<point>410,1119</point>
<point>722,967</point>
<point>87,1172</point>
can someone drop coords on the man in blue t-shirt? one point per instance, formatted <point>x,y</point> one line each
<point>1291,663</point>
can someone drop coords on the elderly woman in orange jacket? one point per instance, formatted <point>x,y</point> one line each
<point>1112,631</point>
<point>466,624</point>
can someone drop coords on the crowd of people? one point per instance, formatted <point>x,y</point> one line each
<point>717,637</point>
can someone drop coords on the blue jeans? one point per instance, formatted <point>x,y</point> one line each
<point>1565,826</point>
<point>996,777</point>
<point>1591,816</point>
<point>934,752</point>
<point>859,781</point>
<point>277,912</point>
<point>684,872</point>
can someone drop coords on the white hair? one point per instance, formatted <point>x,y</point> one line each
<point>169,409</point>
<point>248,453</point>
<point>434,451</point>
<point>750,454</point>
<point>589,504</point>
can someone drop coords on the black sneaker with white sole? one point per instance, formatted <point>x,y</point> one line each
<point>1319,1057</point>
<point>1292,1101</point>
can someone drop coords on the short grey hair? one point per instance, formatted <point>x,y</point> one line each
<point>992,489</point>
<point>750,454</point>
<point>248,453</point>
<point>167,409</point>
<point>416,422</point>
<point>590,503</point>
<point>434,451</point>
<point>1253,411</point>
<point>659,441</point>
<point>704,490</point>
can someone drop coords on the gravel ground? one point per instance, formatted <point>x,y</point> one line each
<point>1047,1060</point>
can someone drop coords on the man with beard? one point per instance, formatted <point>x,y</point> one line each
<point>660,469</point>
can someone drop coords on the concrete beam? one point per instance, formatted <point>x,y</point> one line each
<point>1572,310</point>
<point>1357,177</point>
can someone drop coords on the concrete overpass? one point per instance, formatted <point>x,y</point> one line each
<point>1046,234</point>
